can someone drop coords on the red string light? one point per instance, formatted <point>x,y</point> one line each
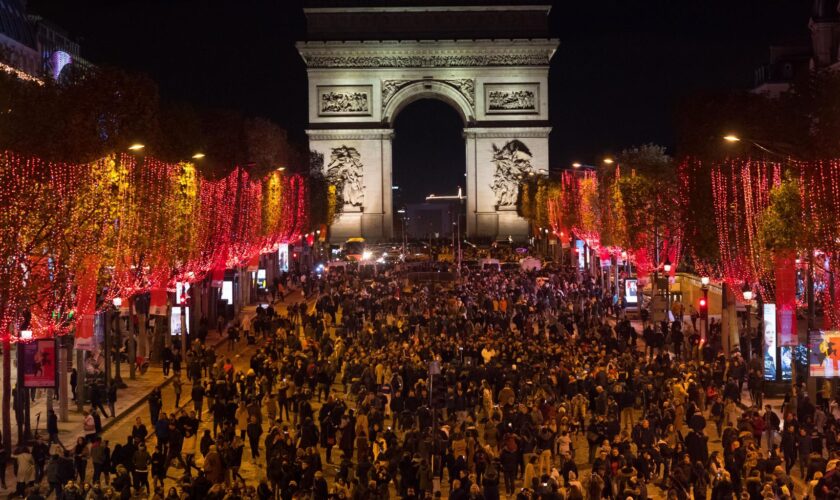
<point>151,222</point>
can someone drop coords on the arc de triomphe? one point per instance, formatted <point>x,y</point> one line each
<point>480,57</point>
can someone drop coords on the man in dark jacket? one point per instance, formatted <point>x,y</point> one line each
<point>52,427</point>
<point>696,444</point>
<point>197,394</point>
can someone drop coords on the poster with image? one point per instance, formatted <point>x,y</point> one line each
<point>631,292</point>
<point>283,257</point>
<point>824,353</point>
<point>38,359</point>
<point>770,354</point>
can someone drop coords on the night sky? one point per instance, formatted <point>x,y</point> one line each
<point>618,74</point>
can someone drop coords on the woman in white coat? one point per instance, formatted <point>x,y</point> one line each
<point>25,466</point>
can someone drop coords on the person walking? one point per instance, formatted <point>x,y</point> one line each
<point>166,359</point>
<point>197,394</point>
<point>97,458</point>
<point>25,467</point>
<point>96,394</point>
<point>140,474</point>
<point>112,399</point>
<point>52,427</point>
<point>254,432</point>
<point>176,386</point>
<point>789,447</point>
<point>81,453</point>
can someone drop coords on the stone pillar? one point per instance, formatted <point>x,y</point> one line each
<point>385,145</point>
<point>472,186</point>
<point>367,152</point>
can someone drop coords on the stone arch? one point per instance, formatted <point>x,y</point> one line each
<point>425,89</point>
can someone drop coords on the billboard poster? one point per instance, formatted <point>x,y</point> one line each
<point>283,257</point>
<point>227,292</point>
<point>182,292</point>
<point>786,299</point>
<point>38,359</point>
<point>824,356</point>
<point>631,291</point>
<point>581,258</point>
<point>261,279</point>
<point>175,321</point>
<point>86,303</point>
<point>786,353</point>
<point>770,361</point>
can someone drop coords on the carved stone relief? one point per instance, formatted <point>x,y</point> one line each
<point>518,98</point>
<point>513,163</point>
<point>344,100</point>
<point>427,61</point>
<point>346,171</point>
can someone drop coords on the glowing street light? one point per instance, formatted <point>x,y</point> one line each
<point>609,161</point>
<point>117,302</point>
<point>731,138</point>
<point>704,280</point>
<point>136,147</point>
<point>577,164</point>
<point>198,156</point>
<point>748,296</point>
<point>280,169</point>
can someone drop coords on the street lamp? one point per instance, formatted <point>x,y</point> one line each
<point>577,164</point>
<point>667,268</point>
<point>136,147</point>
<point>609,161</point>
<point>732,139</point>
<point>748,296</point>
<point>117,301</point>
<point>705,312</point>
<point>198,156</point>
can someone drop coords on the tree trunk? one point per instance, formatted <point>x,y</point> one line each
<point>142,336</point>
<point>7,395</point>
<point>132,341</point>
<point>63,386</point>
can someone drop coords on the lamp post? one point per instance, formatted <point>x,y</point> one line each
<point>667,269</point>
<point>118,331</point>
<point>704,281</point>
<point>184,326</point>
<point>748,296</point>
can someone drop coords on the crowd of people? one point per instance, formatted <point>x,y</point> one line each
<point>499,384</point>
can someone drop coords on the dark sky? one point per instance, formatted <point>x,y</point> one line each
<point>621,67</point>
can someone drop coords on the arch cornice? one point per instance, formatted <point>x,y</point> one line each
<point>442,90</point>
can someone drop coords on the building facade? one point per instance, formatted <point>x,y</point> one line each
<point>367,60</point>
<point>33,48</point>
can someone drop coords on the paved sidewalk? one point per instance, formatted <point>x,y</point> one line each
<point>128,401</point>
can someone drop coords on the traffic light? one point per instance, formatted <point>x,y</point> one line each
<point>704,307</point>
